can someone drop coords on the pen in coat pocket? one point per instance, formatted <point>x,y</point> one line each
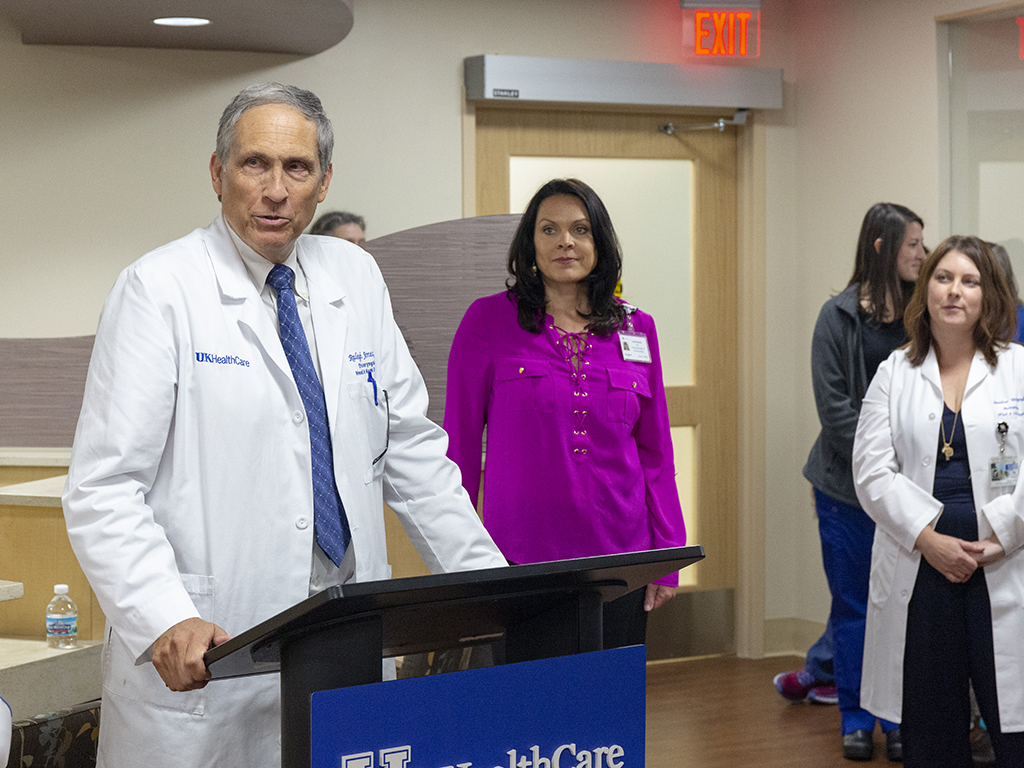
<point>369,378</point>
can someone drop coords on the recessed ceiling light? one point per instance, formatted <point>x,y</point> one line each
<point>181,21</point>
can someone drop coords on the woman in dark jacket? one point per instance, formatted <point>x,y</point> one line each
<point>855,332</point>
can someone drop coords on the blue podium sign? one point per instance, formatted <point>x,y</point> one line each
<point>582,711</point>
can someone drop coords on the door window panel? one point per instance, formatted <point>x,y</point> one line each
<point>650,202</point>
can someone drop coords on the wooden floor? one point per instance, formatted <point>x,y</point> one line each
<point>723,712</point>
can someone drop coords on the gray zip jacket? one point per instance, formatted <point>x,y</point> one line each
<point>840,380</point>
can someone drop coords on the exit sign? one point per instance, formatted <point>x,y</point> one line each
<point>722,32</point>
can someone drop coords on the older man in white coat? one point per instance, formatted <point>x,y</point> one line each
<point>190,496</point>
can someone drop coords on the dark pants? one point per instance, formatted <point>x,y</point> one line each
<point>625,620</point>
<point>624,623</point>
<point>949,646</point>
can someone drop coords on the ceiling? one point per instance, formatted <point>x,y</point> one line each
<point>302,27</point>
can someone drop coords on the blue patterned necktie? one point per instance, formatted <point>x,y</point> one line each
<point>330,523</point>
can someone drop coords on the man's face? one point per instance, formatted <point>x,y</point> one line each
<point>272,181</point>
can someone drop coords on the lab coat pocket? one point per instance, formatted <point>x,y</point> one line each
<point>142,683</point>
<point>523,384</point>
<point>200,589</point>
<point>1006,591</point>
<point>374,419</point>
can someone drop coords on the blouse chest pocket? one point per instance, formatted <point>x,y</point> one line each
<point>626,387</point>
<point>523,384</point>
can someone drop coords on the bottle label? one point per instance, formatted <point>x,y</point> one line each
<point>62,626</point>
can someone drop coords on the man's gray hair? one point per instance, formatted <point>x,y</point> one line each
<point>306,102</point>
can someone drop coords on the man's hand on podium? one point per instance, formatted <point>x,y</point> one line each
<point>178,653</point>
<point>657,596</point>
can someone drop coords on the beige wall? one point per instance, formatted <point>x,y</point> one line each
<point>103,155</point>
<point>861,124</point>
<point>104,150</point>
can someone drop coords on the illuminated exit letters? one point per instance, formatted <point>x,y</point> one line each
<point>729,33</point>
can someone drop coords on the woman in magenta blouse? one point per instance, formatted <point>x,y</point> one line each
<point>567,381</point>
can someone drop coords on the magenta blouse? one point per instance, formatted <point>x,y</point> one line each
<point>578,463</point>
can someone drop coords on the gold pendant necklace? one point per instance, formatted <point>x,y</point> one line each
<point>947,448</point>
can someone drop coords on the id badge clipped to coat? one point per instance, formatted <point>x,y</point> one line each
<point>1003,470</point>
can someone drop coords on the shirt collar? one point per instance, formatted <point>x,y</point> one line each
<point>259,268</point>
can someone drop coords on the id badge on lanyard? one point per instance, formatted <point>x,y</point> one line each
<point>632,343</point>
<point>1003,470</point>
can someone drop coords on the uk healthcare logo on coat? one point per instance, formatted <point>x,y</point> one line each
<point>584,711</point>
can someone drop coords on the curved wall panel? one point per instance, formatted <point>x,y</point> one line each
<point>434,273</point>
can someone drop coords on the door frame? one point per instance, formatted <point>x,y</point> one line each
<point>749,606</point>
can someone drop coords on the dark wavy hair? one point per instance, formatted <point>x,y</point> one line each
<point>877,269</point>
<point>526,284</point>
<point>998,320</point>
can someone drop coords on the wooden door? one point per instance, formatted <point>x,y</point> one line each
<point>703,408</point>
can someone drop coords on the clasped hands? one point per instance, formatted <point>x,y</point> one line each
<point>178,653</point>
<point>955,558</point>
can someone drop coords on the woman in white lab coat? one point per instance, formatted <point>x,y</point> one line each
<point>935,461</point>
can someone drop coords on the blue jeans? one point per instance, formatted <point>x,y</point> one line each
<point>846,536</point>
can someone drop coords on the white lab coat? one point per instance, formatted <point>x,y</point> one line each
<point>894,469</point>
<point>190,492</point>
<point>6,732</point>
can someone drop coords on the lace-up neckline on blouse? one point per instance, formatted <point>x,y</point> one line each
<point>573,347</point>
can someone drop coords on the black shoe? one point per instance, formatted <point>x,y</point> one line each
<point>981,748</point>
<point>858,745</point>
<point>894,746</point>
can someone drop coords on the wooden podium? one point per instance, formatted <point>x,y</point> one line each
<point>338,638</point>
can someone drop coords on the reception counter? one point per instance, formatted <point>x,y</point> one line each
<point>35,552</point>
<point>34,555</point>
<point>21,465</point>
<point>36,679</point>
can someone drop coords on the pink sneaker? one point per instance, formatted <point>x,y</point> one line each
<point>823,694</point>
<point>795,685</point>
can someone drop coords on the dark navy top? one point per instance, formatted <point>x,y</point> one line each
<point>953,483</point>
<point>879,340</point>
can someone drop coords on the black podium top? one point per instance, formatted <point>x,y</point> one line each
<point>447,610</point>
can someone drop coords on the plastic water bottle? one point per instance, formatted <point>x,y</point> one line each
<point>61,619</point>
